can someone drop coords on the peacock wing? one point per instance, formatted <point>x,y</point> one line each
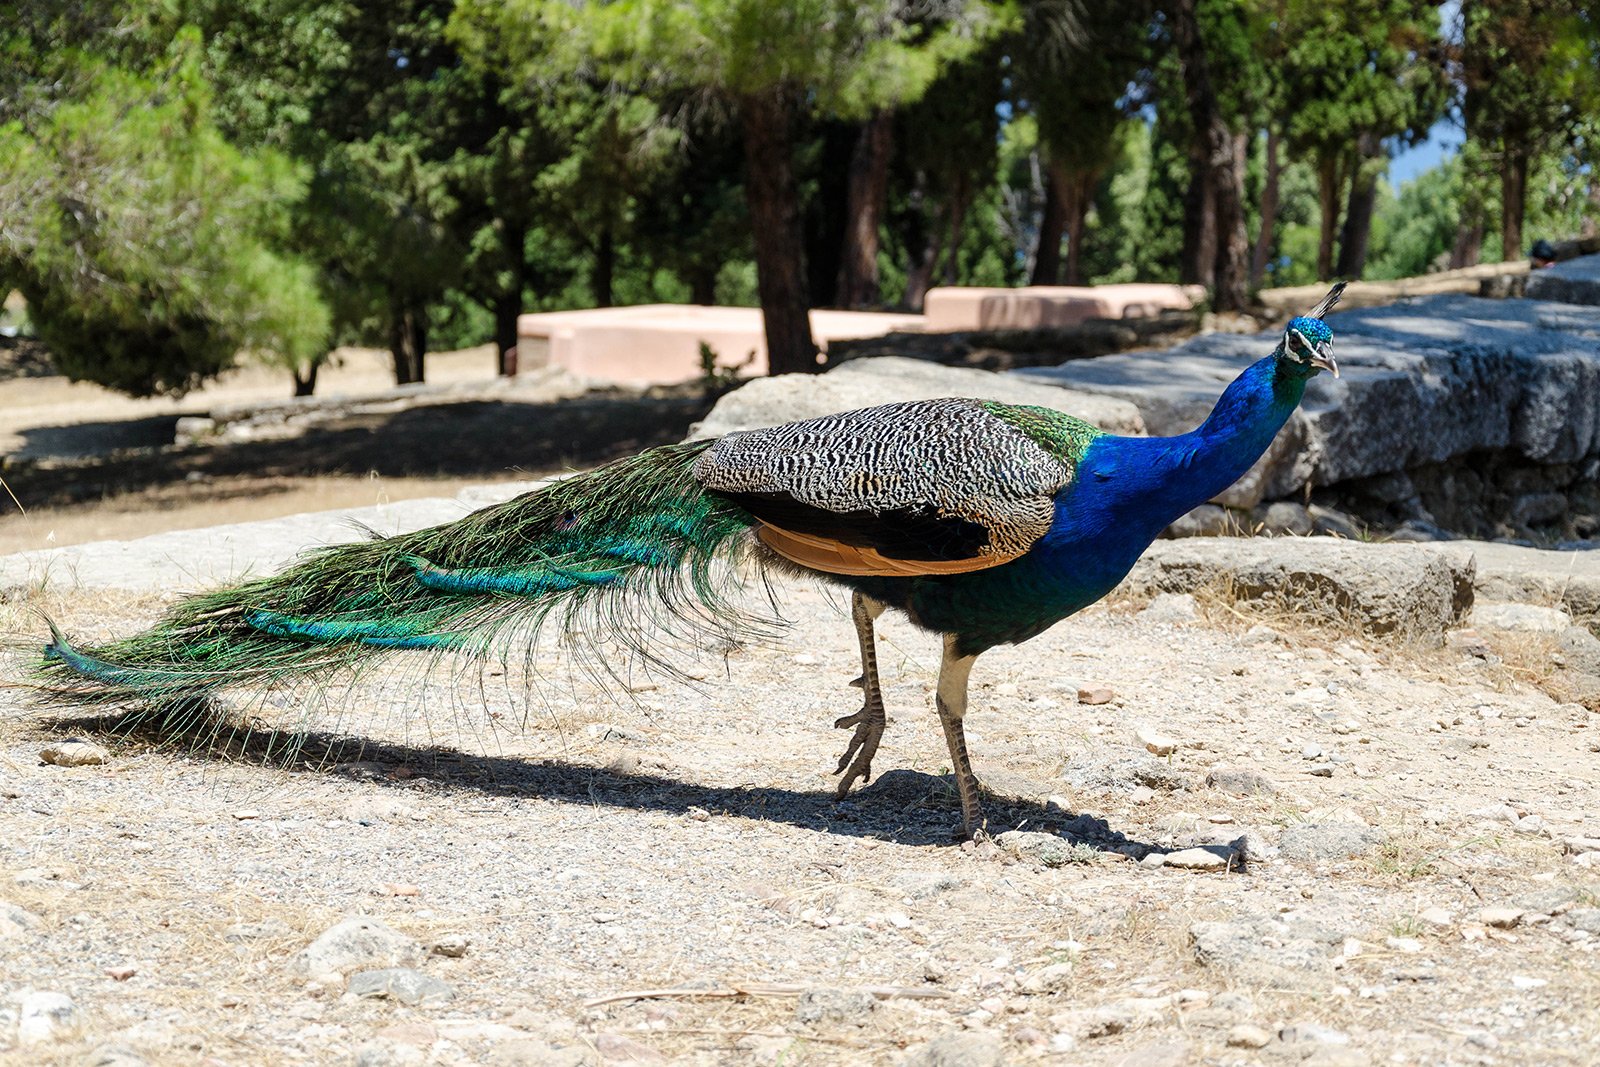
<point>923,487</point>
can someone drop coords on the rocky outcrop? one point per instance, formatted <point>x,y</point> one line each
<point>863,383</point>
<point>1400,590</point>
<point>1577,281</point>
<point>1425,381</point>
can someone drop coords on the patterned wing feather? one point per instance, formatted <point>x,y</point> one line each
<point>924,487</point>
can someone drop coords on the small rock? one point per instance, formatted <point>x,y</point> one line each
<point>1310,1033</point>
<point>268,928</point>
<point>1407,945</point>
<point>386,1052</point>
<point>357,942</point>
<point>1522,981</point>
<point>960,1048</point>
<point>1528,618</point>
<point>1240,780</point>
<point>1208,858</point>
<point>1252,847</point>
<point>850,1007</point>
<point>451,946</point>
<point>1329,841</point>
<point>46,1018</point>
<point>113,1055</point>
<point>1576,846</point>
<point>1095,695</point>
<point>1436,917</point>
<point>1171,608</point>
<point>1247,1035</point>
<point>120,974</point>
<point>618,1048</point>
<point>403,984</point>
<point>1321,771</point>
<point>15,920</point>
<point>1503,918</point>
<point>1158,744</point>
<point>246,815</point>
<point>1047,850</point>
<point>74,752</point>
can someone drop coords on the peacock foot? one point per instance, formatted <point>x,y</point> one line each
<point>856,762</point>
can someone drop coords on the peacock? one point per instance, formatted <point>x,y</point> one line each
<point>984,523</point>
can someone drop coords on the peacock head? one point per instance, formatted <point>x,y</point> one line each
<point>1307,341</point>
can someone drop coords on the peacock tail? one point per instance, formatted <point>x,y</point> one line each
<point>634,543</point>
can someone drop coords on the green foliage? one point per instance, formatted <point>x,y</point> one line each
<point>149,248</point>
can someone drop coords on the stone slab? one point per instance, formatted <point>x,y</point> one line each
<point>1423,381</point>
<point>1531,575</point>
<point>660,343</point>
<point>971,307</point>
<point>1577,281</point>
<point>1408,591</point>
<point>865,382</point>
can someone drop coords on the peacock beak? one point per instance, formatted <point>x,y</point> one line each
<point>1322,356</point>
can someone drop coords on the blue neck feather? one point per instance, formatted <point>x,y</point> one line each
<point>1129,488</point>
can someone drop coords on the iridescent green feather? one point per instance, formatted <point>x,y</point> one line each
<point>637,536</point>
<point>1060,434</point>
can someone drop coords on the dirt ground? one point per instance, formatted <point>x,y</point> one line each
<point>684,839</point>
<point>84,464</point>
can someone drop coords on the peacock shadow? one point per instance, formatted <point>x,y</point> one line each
<point>903,807</point>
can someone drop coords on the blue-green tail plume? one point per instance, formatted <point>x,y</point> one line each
<point>637,537</point>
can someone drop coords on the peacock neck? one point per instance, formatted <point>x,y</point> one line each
<point>1238,431</point>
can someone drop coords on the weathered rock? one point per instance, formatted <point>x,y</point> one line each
<point>1577,281</point>
<point>1515,573</point>
<point>1207,520</point>
<point>1424,381</point>
<point>862,383</point>
<point>1245,1035</point>
<point>1241,780</point>
<point>1312,842</point>
<point>74,752</point>
<point>849,1007</point>
<point>1171,608</point>
<point>357,942</point>
<point>1047,850</point>
<point>1581,649</point>
<point>1297,953</point>
<point>401,984</point>
<point>1528,618</point>
<point>1206,858</point>
<point>45,1018</point>
<point>16,920</point>
<point>1281,517</point>
<point>1385,589</point>
<point>958,1049</point>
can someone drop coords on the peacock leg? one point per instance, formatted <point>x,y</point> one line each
<point>869,721</point>
<point>951,700</point>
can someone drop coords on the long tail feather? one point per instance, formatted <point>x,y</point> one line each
<point>635,541</point>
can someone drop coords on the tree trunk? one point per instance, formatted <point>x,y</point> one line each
<point>1269,213</point>
<point>1052,224</point>
<point>305,382</point>
<point>703,285</point>
<point>1197,262</point>
<point>408,341</point>
<point>605,266</point>
<point>774,202</point>
<point>1358,214</point>
<point>507,306</point>
<point>1328,205</point>
<point>868,186</point>
<point>1078,188</point>
<point>1513,200</point>
<point>1221,171</point>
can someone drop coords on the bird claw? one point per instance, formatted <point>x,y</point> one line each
<point>856,763</point>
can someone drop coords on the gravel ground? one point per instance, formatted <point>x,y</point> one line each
<point>1351,854</point>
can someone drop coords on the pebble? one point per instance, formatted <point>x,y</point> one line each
<point>1156,743</point>
<point>1408,945</point>
<point>1213,858</point>
<point>1095,695</point>
<point>1313,1034</point>
<point>1142,794</point>
<point>1436,916</point>
<point>408,986</point>
<point>959,1048</point>
<point>15,920</point>
<point>1521,981</point>
<point>619,1048</point>
<point>451,946</point>
<point>1240,780</point>
<point>119,974</point>
<point>851,1007</point>
<point>1502,918</point>
<point>45,1018</point>
<point>1247,1035</point>
<point>357,942</point>
<point>1323,771</point>
<point>74,752</point>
